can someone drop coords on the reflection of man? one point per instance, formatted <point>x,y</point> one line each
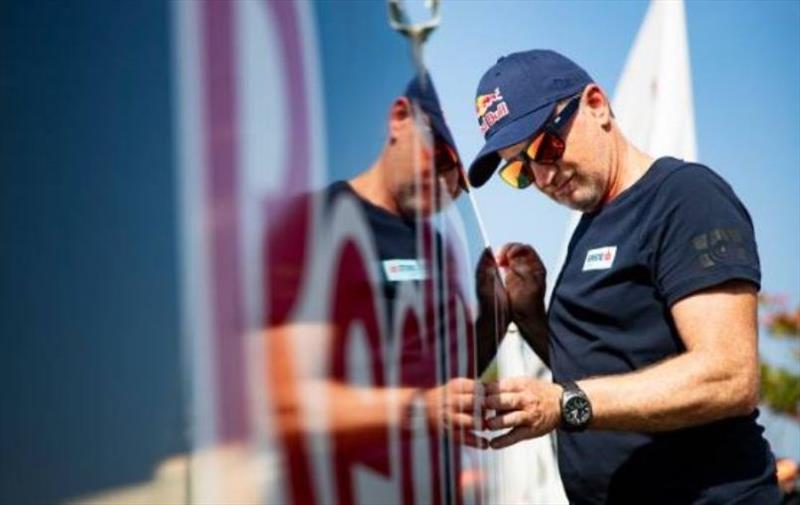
<point>651,332</point>
<point>417,168</point>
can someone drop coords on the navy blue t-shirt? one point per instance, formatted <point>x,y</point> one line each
<point>678,229</point>
<point>395,241</point>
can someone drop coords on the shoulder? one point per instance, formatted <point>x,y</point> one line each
<point>693,187</point>
<point>297,205</point>
<point>690,177</point>
<point>692,198</point>
<point>693,180</point>
<point>335,190</point>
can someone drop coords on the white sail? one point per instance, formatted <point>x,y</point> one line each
<point>653,101</point>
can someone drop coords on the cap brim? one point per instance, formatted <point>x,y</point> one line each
<point>514,132</point>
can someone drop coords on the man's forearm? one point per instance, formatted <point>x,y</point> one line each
<point>688,390</point>
<point>355,415</point>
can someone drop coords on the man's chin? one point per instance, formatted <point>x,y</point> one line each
<point>584,206</point>
<point>581,203</point>
<point>425,206</point>
<point>416,210</point>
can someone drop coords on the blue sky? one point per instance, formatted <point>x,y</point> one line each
<point>745,59</point>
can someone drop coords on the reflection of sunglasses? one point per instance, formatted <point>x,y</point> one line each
<point>445,159</point>
<point>544,149</point>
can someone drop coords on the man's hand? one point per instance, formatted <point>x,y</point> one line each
<point>525,281</point>
<point>526,285</point>
<point>456,406</point>
<point>530,407</point>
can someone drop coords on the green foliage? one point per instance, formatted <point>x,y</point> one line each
<point>780,390</point>
<point>780,320</point>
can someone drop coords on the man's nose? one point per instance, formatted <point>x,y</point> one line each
<point>543,174</point>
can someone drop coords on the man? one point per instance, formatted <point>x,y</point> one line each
<point>417,172</point>
<point>651,332</point>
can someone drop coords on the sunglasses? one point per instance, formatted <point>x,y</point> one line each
<point>445,160</point>
<point>444,157</point>
<point>544,149</point>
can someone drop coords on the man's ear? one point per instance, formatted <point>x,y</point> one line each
<point>597,105</point>
<point>399,115</point>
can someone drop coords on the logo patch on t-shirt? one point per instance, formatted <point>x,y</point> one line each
<point>405,270</point>
<point>721,245</point>
<point>600,259</point>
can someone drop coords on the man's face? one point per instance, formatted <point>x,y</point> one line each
<point>412,176</point>
<point>580,179</point>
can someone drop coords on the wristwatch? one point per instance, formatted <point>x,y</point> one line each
<point>576,410</point>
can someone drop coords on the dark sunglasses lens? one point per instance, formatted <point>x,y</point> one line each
<point>550,150</point>
<point>444,157</point>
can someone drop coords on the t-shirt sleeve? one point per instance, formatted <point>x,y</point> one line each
<point>702,235</point>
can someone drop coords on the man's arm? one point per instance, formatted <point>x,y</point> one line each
<point>716,378</point>
<point>355,414</point>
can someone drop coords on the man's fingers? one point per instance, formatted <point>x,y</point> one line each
<point>525,261</point>
<point>519,257</point>
<point>473,440</point>
<point>503,253</point>
<point>461,402</point>
<point>462,385</point>
<point>460,428</point>
<point>516,250</point>
<point>469,438</point>
<point>503,401</point>
<point>518,434</point>
<point>506,420</point>
<point>506,385</point>
<point>457,420</point>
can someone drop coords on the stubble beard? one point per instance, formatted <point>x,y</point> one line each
<point>585,197</point>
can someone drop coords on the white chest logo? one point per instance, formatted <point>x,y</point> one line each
<point>405,270</point>
<point>600,259</point>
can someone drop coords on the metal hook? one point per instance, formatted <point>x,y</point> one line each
<point>417,33</point>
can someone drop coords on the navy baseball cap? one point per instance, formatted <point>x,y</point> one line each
<point>515,97</point>
<point>425,96</point>
<point>428,100</point>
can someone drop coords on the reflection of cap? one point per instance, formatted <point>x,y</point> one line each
<point>514,99</point>
<point>427,99</point>
<point>424,95</point>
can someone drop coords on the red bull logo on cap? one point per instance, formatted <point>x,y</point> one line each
<point>487,118</point>
<point>483,102</point>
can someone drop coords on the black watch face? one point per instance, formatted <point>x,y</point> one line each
<point>578,411</point>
